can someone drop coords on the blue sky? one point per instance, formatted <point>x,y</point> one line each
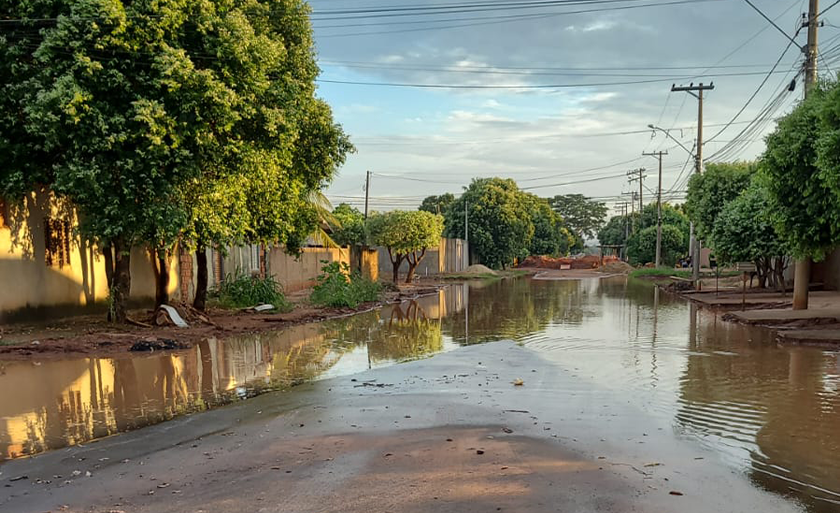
<point>576,139</point>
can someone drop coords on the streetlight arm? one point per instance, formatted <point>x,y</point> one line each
<point>668,134</point>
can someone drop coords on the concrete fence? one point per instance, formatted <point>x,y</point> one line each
<point>450,256</point>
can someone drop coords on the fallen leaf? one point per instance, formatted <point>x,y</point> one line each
<point>673,492</point>
<point>163,485</point>
<point>479,451</point>
<point>507,430</point>
<point>654,464</point>
<point>518,382</point>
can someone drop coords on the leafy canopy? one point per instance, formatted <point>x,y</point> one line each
<point>404,232</point>
<point>743,231</point>
<point>582,215</point>
<point>709,191</point>
<point>437,204</point>
<point>351,230</point>
<point>641,248</point>
<point>800,170</point>
<point>500,225</point>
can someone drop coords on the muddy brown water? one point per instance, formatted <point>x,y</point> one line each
<point>770,412</point>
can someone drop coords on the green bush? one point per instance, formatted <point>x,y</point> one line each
<point>241,290</point>
<point>338,288</point>
<point>641,248</point>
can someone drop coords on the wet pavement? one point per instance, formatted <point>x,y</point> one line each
<point>641,386</point>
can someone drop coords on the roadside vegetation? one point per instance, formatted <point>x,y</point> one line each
<point>241,290</point>
<point>337,287</point>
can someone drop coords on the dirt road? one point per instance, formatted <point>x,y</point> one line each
<point>447,434</point>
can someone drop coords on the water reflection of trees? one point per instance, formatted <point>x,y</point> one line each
<point>514,309</point>
<point>779,406</point>
<point>407,334</point>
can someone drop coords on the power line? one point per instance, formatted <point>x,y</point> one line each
<point>771,22</point>
<point>527,86</point>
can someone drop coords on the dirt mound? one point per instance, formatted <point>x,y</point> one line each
<point>617,267</point>
<point>544,262</point>
<point>479,269</point>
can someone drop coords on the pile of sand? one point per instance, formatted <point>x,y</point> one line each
<point>617,267</point>
<point>479,269</point>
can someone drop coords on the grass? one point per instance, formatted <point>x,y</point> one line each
<point>338,287</point>
<point>499,275</point>
<point>667,272</point>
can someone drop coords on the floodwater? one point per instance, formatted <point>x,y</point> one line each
<point>770,412</point>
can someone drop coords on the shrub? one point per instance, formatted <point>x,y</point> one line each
<point>240,290</point>
<point>338,288</point>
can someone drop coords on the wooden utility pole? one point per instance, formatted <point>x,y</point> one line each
<point>640,178</point>
<point>802,269</point>
<point>658,155</point>
<point>697,92</point>
<point>367,193</point>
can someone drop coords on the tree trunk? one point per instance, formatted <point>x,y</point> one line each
<point>108,254</point>
<point>396,261</point>
<point>412,264</point>
<point>121,289</point>
<point>161,265</point>
<point>200,301</point>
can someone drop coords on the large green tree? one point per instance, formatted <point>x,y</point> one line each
<point>744,232</point>
<point>351,229</point>
<point>641,247</point>
<point>615,232</point>
<point>800,169</point>
<point>406,235</point>
<point>711,190</point>
<point>500,225</point>
<point>583,216</point>
<point>550,234</point>
<point>143,114</point>
<point>437,204</point>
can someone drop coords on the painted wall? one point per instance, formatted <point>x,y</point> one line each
<point>68,273</point>
<point>449,257</point>
<point>296,273</point>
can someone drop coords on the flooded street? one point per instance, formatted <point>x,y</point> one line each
<point>768,413</point>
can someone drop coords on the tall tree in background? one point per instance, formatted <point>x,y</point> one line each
<point>709,191</point>
<point>351,229</point>
<point>550,234</point>
<point>157,111</point>
<point>437,204</point>
<point>500,227</point>
<point>583,216</point>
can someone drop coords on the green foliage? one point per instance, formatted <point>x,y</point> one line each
<point>186,120</point>
<point>501,228</point>
<point>241,290</point>
<point>582,216</point>
<point>337,288</point>
<point>615,231</point>
<point>551,237</point>
<point>641,248</point>
<point>405,232</point>
<point>743,231</point>
<point>661,272</point>
<point>437,204</point>
<point>800,171</point>
<point>351,229</point>
<point>406,235</point>
<point>708,192</point>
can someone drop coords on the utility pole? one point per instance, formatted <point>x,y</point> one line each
<point>697,92</point>
<point>802,269</point>
<point>641,179</point>
<point>658,156</point>
<point>467,228</point>
<point>367,193</point>
<point>623,208</point>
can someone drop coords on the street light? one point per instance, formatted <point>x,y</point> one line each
<point>668,134</point>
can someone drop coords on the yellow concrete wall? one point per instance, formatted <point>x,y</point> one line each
<point>299,273</point>
<point>27,280</point>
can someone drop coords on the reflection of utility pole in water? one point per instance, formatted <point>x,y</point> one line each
<point>692,326</point>
<point>653,363</point>
<point>466,314</point>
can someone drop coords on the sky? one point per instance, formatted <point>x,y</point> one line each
<point>558,99</point>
